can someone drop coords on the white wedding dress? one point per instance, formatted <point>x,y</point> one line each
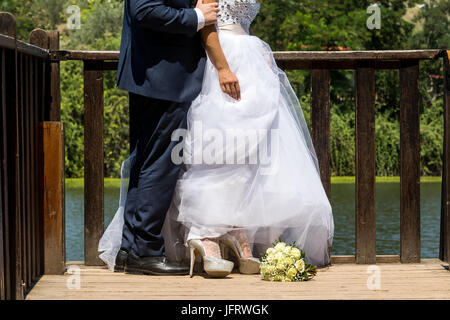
<point>282,198</point>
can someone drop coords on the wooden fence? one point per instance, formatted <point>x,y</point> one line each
<point>32,224</point>
<point>364,65</point>
<point>32,164</point>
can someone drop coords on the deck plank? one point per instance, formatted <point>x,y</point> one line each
<point>425,280</point>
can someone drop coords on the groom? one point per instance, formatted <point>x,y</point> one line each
<point>161,65</point>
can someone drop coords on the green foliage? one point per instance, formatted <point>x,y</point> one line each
<point>387,146</point>
<point>100,30</point>
<point>101,26</point>
<point>284,25</point>
<point>324,25</point>
<point>72,116</point>
<point>342,143</point>
<point>431,138</point>
<point>116,139</point>
<point>435,21</point>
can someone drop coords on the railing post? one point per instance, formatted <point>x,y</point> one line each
<point>2,251</point>
<point>365,252</point>
<point>93,160</point>
<point>13,265</point>
<point>7,24</point>
<point>55,82</point>
<point>320,123</point>
<point>410,162</point>
<point>52,159</point>
<point>40,38</point>
<point>4,244</point>
<point>52,163</point>
<point>444,248</point>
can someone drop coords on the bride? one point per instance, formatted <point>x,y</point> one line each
<point>251,174</point>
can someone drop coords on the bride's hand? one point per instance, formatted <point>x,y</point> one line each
<point>229,83</point>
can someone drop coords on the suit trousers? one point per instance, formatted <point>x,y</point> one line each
<point>153,174</point>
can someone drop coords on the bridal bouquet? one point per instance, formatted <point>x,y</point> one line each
<point>285,263</point>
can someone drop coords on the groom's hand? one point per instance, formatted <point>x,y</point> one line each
<point>209,10</point>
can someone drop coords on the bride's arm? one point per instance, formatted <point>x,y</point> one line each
<point>227,79</point>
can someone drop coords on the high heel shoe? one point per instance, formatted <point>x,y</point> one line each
<point>246,265</point>
<point>213,266</point>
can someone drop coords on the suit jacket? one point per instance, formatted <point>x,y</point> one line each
<point>161,55</point>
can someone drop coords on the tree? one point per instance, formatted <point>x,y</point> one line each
<point>284,25</point>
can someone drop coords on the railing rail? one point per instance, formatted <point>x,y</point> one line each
<point>30,96</point>
<point>280,56</point>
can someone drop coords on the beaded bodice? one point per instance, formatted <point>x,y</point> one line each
<point>241,12</point>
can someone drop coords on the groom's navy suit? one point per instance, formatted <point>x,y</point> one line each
<point>161,55</point>
<point>161,65</point>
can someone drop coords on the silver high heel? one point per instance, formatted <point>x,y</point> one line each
<point>246,265</point>
<point>214,267</point>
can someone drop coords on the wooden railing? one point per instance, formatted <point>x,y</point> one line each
<point>26,80</point>
<point>27,92</point>
<point>365,64</point>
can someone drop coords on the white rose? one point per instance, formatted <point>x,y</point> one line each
<point>280,266</point>
<point>280,246</point>
<point>295,253</point>
<point>279,256</point>
<point>271,258</point>
<point>300,265</point>
<point>288,261</point>
<point>287,250</point>
<point>271,269</point>
<point>291,273</point>
<point>263,270</point>
<point>279,277</point>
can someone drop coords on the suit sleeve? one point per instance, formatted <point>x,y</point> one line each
<point>155,15</point>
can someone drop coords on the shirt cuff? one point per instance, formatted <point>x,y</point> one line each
<point>200,18</point>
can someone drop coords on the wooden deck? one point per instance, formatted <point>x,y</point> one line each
<point>427,280</point>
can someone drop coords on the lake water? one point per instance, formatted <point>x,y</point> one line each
<point>343,204</point>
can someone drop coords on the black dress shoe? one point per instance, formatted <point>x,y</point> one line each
<point>153,265</point>
<point>121,260</point>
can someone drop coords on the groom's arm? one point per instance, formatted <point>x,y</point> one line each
<point>154,14</point>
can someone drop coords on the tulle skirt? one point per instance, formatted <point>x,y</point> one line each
<point>248,164</point>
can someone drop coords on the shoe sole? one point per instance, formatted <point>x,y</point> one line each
<point>217,274</point>
<point>119,269</point>
<point>153,273</point>
<point>249,267</point>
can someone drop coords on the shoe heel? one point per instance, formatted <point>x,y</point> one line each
<point>192,254</point>
<point>213,266</point>
<point>247,266</point>
<point>222,250</point>
<point>216,267</point>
